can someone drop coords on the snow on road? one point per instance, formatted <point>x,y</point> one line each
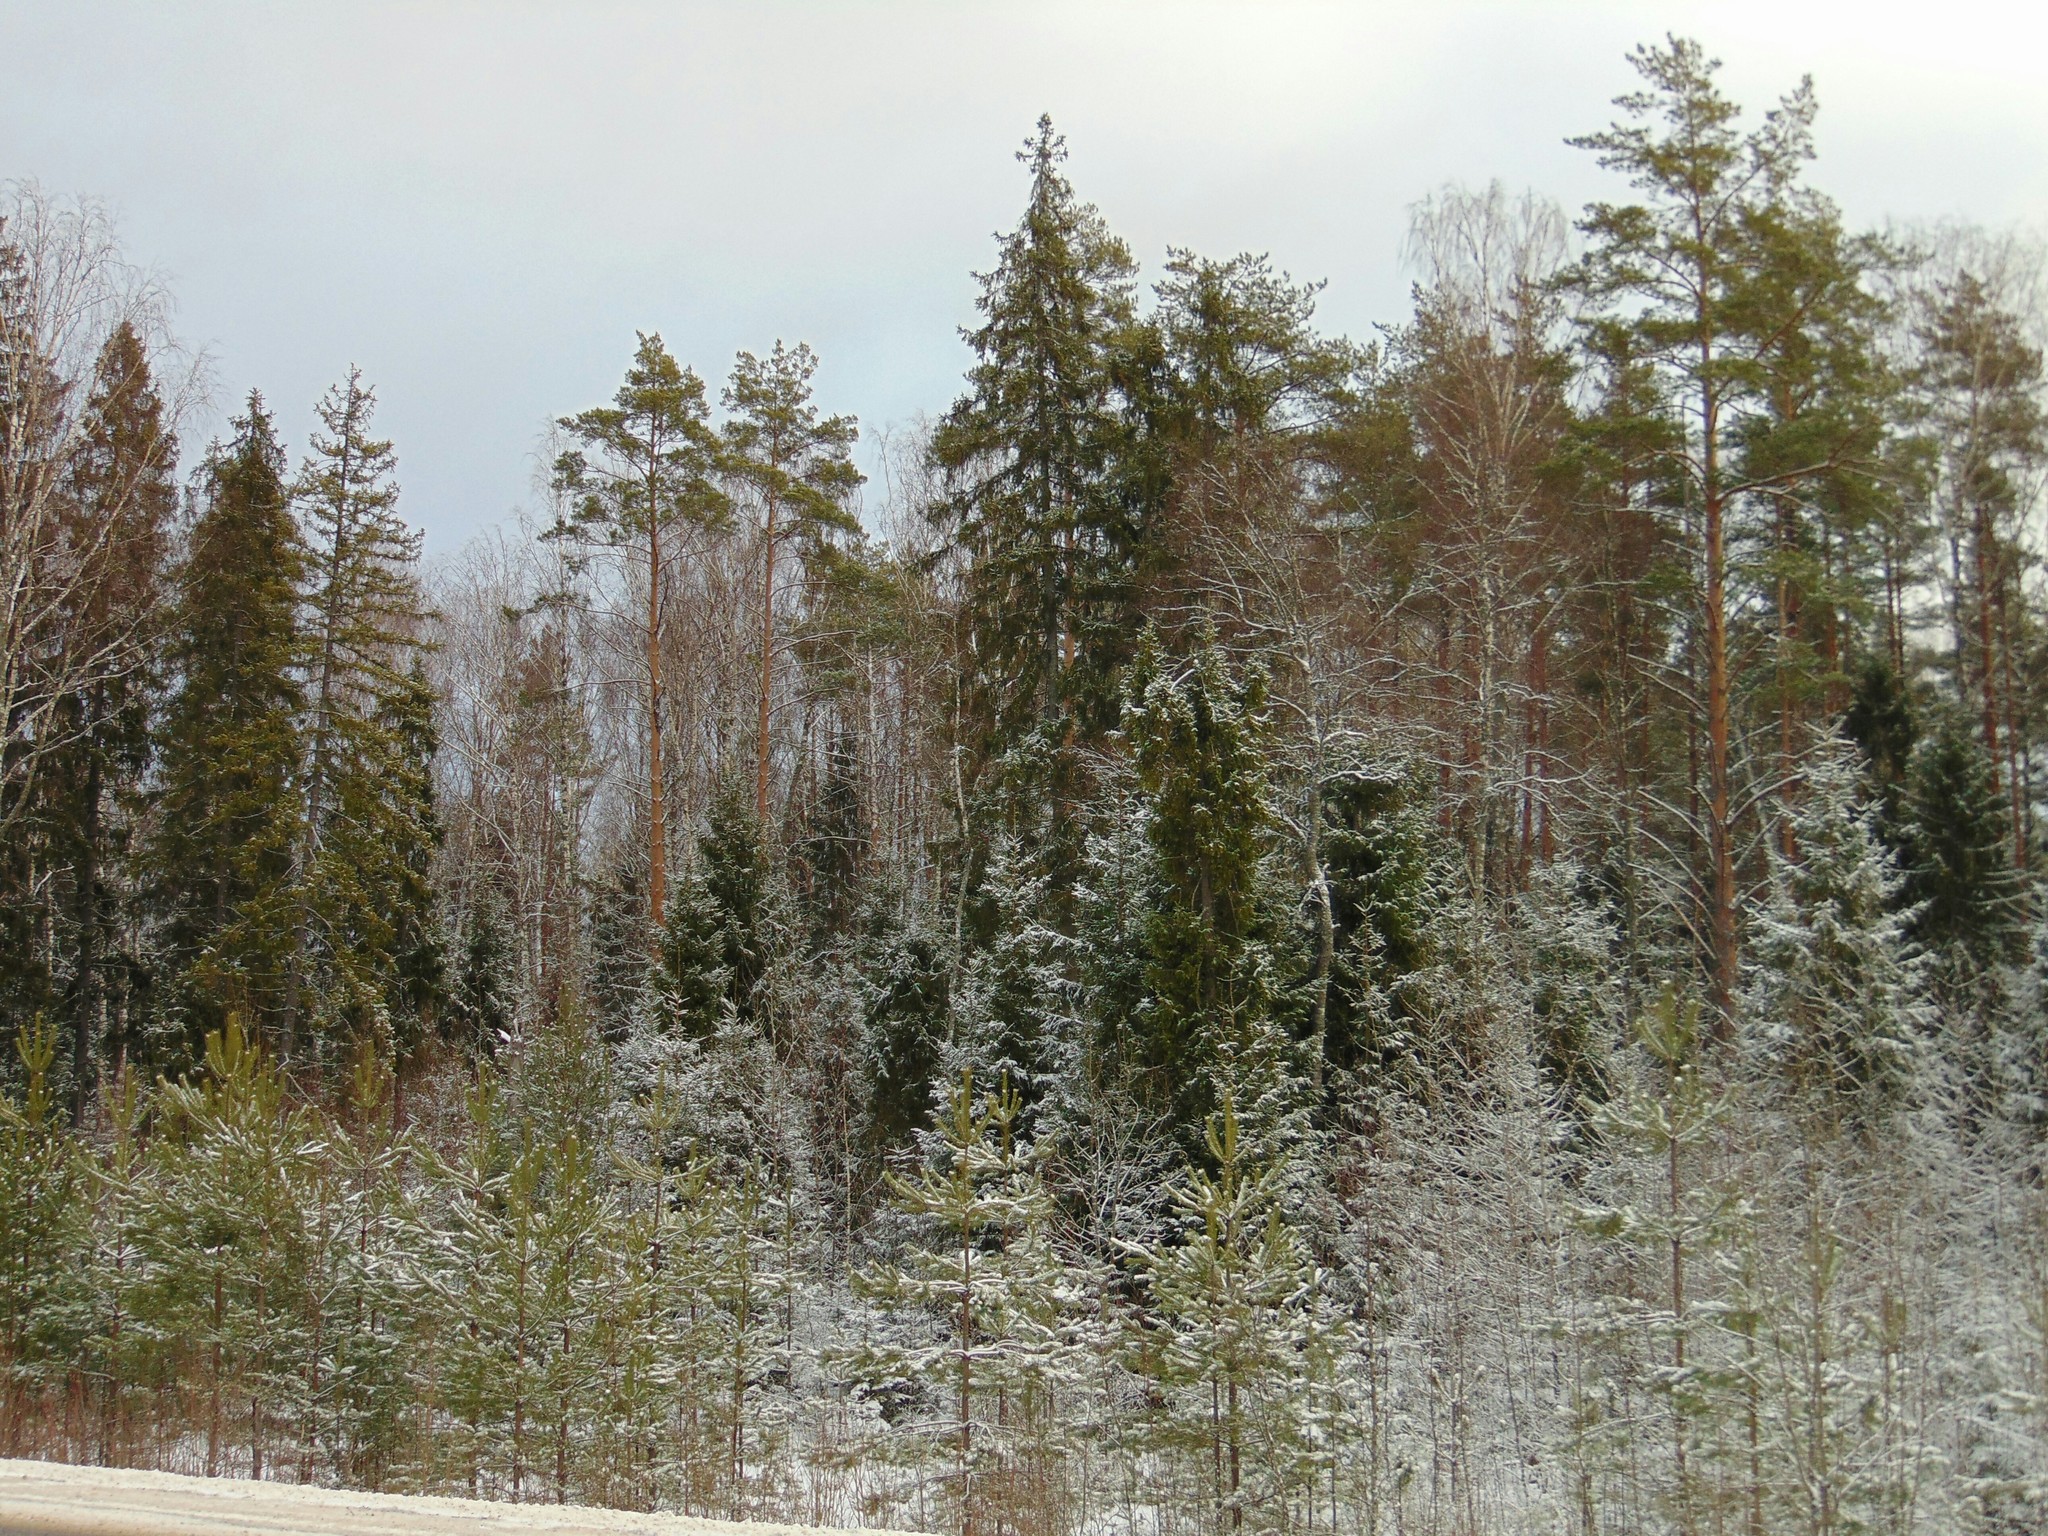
<point>49,1499</point>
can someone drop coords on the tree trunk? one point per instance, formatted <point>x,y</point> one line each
<point>767,671</point>
<point>657,827</point>
<point>1726,959</point>
<point>86,987</point>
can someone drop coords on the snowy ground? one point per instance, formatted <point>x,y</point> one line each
<point>45,1497</point>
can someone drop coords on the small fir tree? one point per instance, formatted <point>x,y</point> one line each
<point>1835,995</point>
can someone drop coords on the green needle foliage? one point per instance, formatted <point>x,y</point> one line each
<point>366,962</point>
<point>230,821</point>
<point>1244,1343</point>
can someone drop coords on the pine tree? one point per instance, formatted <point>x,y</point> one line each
<point>745,1288</point>
<point>44,1310</point>
<point>235,1171</point>
<point>652,477</point>
<point>1679,282</point>
<point>122,1354</point>
<point>1812,456</point>
<point>1240,1337</point>
<point>665,1334</point>
<point>1004,1305</point>
<point>363,1275</point>
<point>1978,403</point>
<point>797,464</point>
<point>228,816</point>
<point>1669,1215</point>
<point>520,1217</point>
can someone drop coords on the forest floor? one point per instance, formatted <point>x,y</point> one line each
<point>52,1499</point>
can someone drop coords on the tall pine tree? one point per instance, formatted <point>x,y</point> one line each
<point>641,475</point>
<point>796,463</point>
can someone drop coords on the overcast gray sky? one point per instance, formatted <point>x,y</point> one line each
<point>480,203</point>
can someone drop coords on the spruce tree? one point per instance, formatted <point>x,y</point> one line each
<point>693,984</point>
<point>1013,1004</point>
<point>118,504</point>
<point>229,817</point>
<point>1967,902</point>
<point>1049,591</point>
<point>1572,993</point>
<point>1882,721</point>
<point>1836,997</point>
<point>715,945</point>
<point>479,1014</point>
<point>1387,868</point>
<point>414,969</point>
<point>366,947</point>
<point>832,851</point>
<point>904,1014</point>
<point>1208,1020</point>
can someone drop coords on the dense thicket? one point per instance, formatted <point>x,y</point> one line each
<point>1261,933</point>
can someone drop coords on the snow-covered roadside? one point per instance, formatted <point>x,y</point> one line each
<point>49,1497</point>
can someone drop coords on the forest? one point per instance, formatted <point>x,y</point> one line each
<point>1252,932</point>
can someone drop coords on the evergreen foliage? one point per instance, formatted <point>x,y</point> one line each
<point>1966,898</point>
<point>1047,613</point>
<point>715,945</point>
<point>1837,999</point>
<point>1207,1022</point>
<point>229,819</point>
<point>1245,1344</point>
<point>1426,938</point>
<point>365,959</point>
